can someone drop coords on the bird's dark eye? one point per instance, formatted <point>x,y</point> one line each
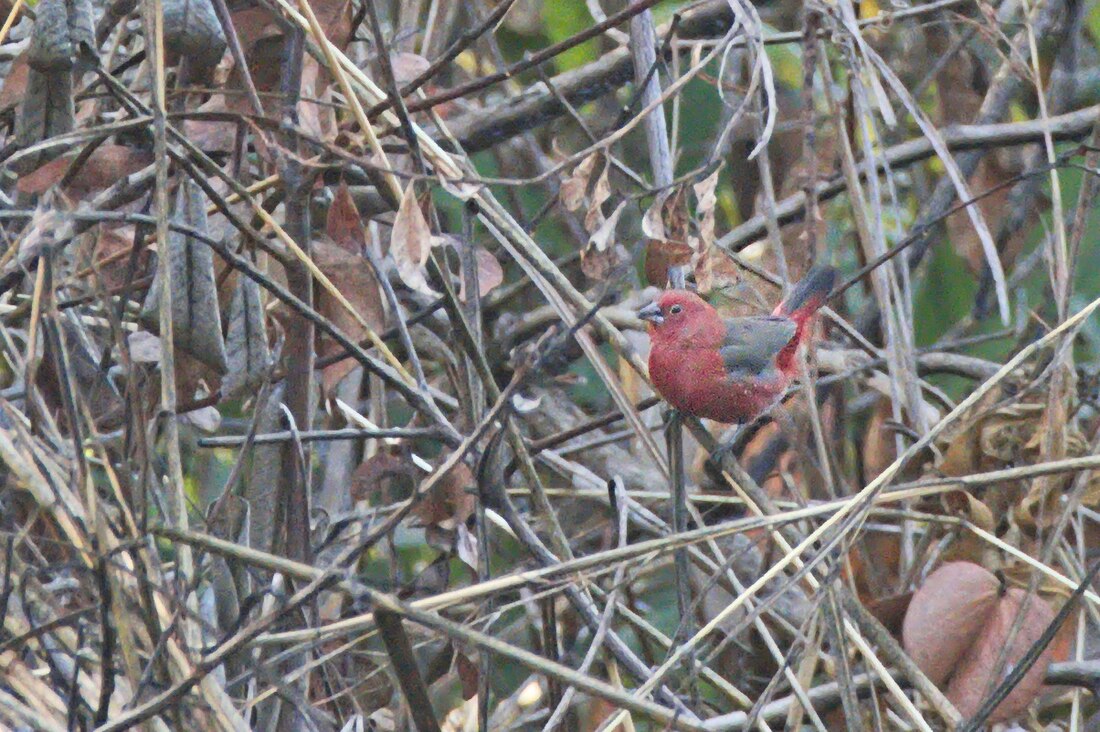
<point>675,309</point>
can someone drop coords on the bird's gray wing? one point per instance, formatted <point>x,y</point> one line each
<point>751,344</point>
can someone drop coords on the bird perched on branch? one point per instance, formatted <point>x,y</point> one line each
<point>729,370</point>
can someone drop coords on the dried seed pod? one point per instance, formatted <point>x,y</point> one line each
<point>196,320</point>
<point>191,29</point>
<point>47,110</point>
<point>62,41</point>
<point>263,474</point>
<point>62,34</point>
<point>246,342</point>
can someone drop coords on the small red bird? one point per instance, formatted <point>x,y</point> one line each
<point>729,370</point>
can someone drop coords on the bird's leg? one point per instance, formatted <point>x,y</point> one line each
<point>725,447</point>
<point>667,416</point>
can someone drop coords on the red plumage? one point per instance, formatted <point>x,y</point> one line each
<point>729,370</point>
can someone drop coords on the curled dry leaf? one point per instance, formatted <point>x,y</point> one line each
<point>712,267</point>
<point>489,274</point>
<point>958,624</point>
<point>1010,431</point>
<point>704,208</point>
<point>407,66</point>
<point>207,419</point>
<point>601,255</point>
<point>665,225</point>
<point>144,347</point>
<point>964,505</point>
<point>594,218</point>
<point>575,187</point>
<point>411,242</point>
<point>967,545</point>
<point>449,503</point>
<point>367,477</point>
<point>466,547</point>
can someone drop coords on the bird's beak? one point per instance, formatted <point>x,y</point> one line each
<point>652,313</point>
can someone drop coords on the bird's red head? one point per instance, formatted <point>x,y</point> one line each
<point>676,314</point>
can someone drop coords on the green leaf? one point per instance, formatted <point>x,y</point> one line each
<point>563,19</point>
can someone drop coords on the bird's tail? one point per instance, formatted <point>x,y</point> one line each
<point>808,295</point>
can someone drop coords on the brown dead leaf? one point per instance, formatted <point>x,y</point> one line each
<point>110,252</point>
<point>873,565</point>
<point>449,503</point>
<point>1009,431</point>
<point>107,164</point>
<point>575,188</point>
<point>704,210</point>
<point>660,255</point>
<point>891,610</point>
<point>665,225</point>
<point>261,40</point>
<point>469,674</point>
<point>261,37</point>
<point>335,18</point>
<point>964,505</point>
<point>702,265</point>
<point>594,217</point>
<point>879,449</point>
<point>367,477</point>
<point>216,136</point>
<point>316,114</point>
<point>15,83</point>
<point>344,225</point>
<point>411,242</point>
<point>966,545</point>
<point>601,254</point>
<point>407,66</point>
<point>352,275</point>
<point>489,274</point>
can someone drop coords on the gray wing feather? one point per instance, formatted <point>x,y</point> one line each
<point>751,344</point>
